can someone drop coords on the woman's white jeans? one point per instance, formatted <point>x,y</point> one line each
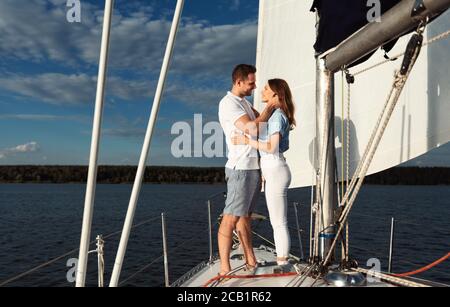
<point>277,180</point>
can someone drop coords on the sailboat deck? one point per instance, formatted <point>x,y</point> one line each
<point>268,270</point>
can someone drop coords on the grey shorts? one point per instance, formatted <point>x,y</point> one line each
<point>243,191</point>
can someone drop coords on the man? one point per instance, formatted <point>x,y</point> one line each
<point>243,174</point>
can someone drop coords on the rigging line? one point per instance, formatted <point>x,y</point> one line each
<point>141,270</point>
<point>303,274</point>
<point>344,252</point>
<point>429,42</point>
<point>343,139</point>
<point>401,77</point>
<point>264,239</point>
<point>368,147</point>
<point>401,82</point>
<point>348,141</point>
<point>10,280</point>
<point>157,259</point>
<point>306,274</point>
<point>134,227</point>
<point>45,264</point>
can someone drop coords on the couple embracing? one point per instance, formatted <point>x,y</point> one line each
<point>256,143</point>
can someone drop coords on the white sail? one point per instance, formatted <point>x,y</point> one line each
<point>420,123</point>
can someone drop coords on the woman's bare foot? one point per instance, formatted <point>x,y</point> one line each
<point>282,261</point>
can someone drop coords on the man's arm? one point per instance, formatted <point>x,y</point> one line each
<point>251,127</point>
<point>271,147</point>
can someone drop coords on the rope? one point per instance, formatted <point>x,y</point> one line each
<point>305,275</point>
<point>359,176</point>
<point>424,269</point>
<point>389,278</point>
<point>365,164</point>
<point>220,278</point>
<point>429,42</point>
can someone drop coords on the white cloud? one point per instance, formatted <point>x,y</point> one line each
<point>76,89</point>
<point>30,147</point>
<point>38,31</point>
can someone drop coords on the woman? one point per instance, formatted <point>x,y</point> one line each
<point>273,143</point>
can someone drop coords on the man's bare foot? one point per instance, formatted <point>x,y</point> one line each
<point>224,273</point>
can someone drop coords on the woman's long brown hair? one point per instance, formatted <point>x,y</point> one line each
<point>281,88</point>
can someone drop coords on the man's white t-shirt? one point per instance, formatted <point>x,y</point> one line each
<point>240,157</point>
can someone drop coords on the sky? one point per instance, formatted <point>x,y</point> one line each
<point>49,66</point>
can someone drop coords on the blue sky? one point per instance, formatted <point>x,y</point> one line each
<point>48,71</point>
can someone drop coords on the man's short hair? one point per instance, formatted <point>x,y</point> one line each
<point>242,71</point>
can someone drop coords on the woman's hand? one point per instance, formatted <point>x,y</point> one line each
<point>274,102</point>
<point>239,139</point>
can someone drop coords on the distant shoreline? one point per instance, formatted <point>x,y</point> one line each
<point>193,175</point>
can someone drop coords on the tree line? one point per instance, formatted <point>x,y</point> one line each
<point>184,175</point>
<point>109,174</point>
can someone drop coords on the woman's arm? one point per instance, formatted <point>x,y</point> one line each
<point>271,147</point>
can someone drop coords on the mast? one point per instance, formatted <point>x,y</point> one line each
<point>146,148</point>
<point>326,152</point>
<point>93,161</point>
